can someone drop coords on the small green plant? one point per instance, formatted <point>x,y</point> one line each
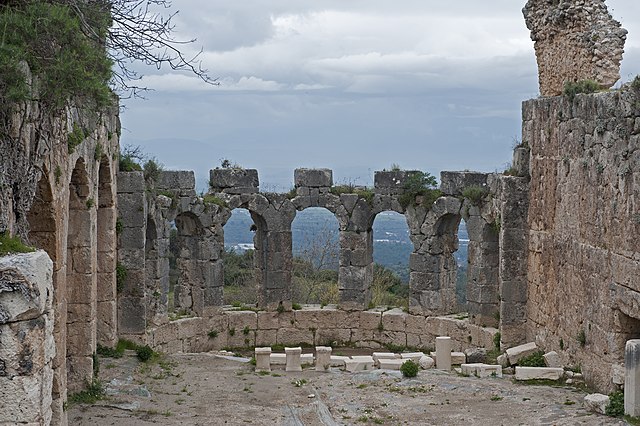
<point>419,184</point>
<point>130,158</point>
<point>75,138</point>
<point>296,306</point>
<point>635,84</point>
<point>98,152</point>
<point>96,364</point>
<point>90,203</point>
<point>536,359</point>
<point>57,174</point>
<point>212,334</point>
<point>152,169</point>
<point>144,353</point>
<point>212,199</point>
<point>380,327</point>
<point>232,332</point>
<point>121,276</point>
<point>119,226</point>
<point>475,194</point>
<point>496,225</point>
<point>9,245</point>
<point>561,344</point>
<point>582,338</point>
<point>510,171</point>
<point>280,308</point>
<point>93,393</point>
<point>496,398</point>
<point>615,408</point>
<point>571,89</point>
<point>361,192</point>
<point>409,368</point>
<point>496,340</point>
<point>108,352</point>
<point>246,330</point>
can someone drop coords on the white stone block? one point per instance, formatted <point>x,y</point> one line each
<point>552,359</point>
<point>293,359</point>
<point>278,359</point>
<point>263,359</point>
<point>443,353</point>
<point>338,361</point>
<point>458,358</point>
<point>617,374</point>
<point>632,378</point>
<point>413,356</point>
<point>391,364</point>
<point>596,402</point>
<point>482,370</point>
<point>518,352</point>
<point>426,362</point>
<point>531,373</point>
<point>323,358</point>
<point>377,356</point>
<point>29,278</point>
<point>503,360</point>
<point>358,363</point>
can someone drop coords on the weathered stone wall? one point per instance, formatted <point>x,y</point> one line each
<point>574,40</point>
<point>583,221</point>
<point>315,326</point>
<point>27,346</point>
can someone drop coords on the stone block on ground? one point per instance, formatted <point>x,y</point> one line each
<point>539,373</point>
<point>426,362</point>
<point>518,352</point>
<point>338,360</point>
<point>596,402</point>
<point>323,358</point>
<point>552,359</point>
<point>443,353</point>
<point>278,359</point>
<point>503,360</point>
<point>293,359</point>
<point>263,361</point>
<point>358,363</point>
<point>413,356</point>
<point>377,356</point>
<point>391,364</point>
<point>476,355</point>
<point>481,370</point>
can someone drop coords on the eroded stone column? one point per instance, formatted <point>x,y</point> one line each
<point>632,378</point>
<point>293,359</point>
<point>443,353</point>
<point>263,359</point>
<point>323,358</point>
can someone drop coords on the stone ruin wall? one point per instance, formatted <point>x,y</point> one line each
<point>584,219</point>
<point>62,200</point>
<point>574,40</point>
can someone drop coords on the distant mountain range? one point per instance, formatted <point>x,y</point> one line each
<point>314,228</point>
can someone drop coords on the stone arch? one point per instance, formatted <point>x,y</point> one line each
<point>41,219</point>
<point>106,256</point>
<point>81,280</point>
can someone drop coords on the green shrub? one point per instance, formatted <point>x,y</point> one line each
<point>496,340</point>
<point>212,199</point>
<point>121,276</point>
<point>582,338</point>
<point>571,89</point>
<point>361,192</point>
<point>152,169</point>
<point>409,368</point>
<point>296,306</point>
<point>93,393</point>
<point>144,353</point>
<point>212,334</point>
<point>10,245</point>
<point>475,194</point>
<point>536,359</point>
<point>75,138</point>
<point>108,352</point>
<point>419,183</point>
<point>615,408</point>
<point>635,84</point>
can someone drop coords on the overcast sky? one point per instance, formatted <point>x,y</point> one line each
<point>352,85</point>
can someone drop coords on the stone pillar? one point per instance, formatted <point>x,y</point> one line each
<point>514,251</point>
<point>263,359</point>
<point>293,359</point>
<point>26,338</point>
<point>323,358</point>
<point>632,378</point>
<point>355,274</point>
<point>443,353</point>
<point>132,212</point>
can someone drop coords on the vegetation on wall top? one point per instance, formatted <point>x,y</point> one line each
<point>419,184</point>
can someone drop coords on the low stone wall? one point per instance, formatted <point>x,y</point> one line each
<point>315,326</point>
<point>26,338</point>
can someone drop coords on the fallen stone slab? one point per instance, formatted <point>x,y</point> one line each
<point>358,363</point>
<point>539,373</point>
<point>278,359</point>
<point>518,352</point>
<point>391,364</point>
<point>457,358</point>
<point>377,356</point>
<point>481,370</point>
<point>503,360</point>
<point>413,356</point>
<point>596,402</point>
<point>338,360</point>
<point>552,359</point>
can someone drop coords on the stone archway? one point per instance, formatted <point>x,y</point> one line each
<point>81,280</point>
<point>106,257</point>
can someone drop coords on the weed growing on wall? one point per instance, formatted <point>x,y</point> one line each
<point>571,89</point>
<point>9,245</point>
<point>419,184</point>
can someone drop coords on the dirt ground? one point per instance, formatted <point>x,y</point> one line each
<point>206,389</point>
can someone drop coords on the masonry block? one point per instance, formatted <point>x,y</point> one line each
<point>313,178</point>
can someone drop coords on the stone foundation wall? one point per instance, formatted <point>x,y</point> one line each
<point>27,347</point>
<point>584,222</point>
<point>314,326</point>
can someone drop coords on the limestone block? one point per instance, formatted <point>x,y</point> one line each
<point>377,356</point>
<point>293,359</point>
<point>454,183</point>
<point>413,356</point>
<point>238,320</point>
<point>339,336</point>
<point>596,402</point>
<point>617,374</point>
<point>552,359</point>
<point>129,182</point>
<point>266,337</point>
<point>171,179</point>
<point>391,364</point>
<point>426,362</point>
<point>530,373</point>
<point>24,400</point>
<point>234,178</point>
<point>323,358</point>
<point>503,360</point>
<point>394,320</point>
<point>294,336</point>
<point>475,355</point>
<point>263,362</point>
<point>313,178</point>
<point>358,363</point>
<point>26,289</point>
<point>632,378</point>
<point>278,359</point>
<point>443,353</point>
<point>338,361</point>
<point>481,370</point>
<point>516,353</point>
<point>131,210</point>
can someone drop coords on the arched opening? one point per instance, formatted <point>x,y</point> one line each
<point>158,259</point>
<point>392,248</point>
<point>41,218</point>
<point>315,245</point>
<point>81,280</point>
<point>240,285</point>
<point>462,262</point>
<point>106,257</point>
